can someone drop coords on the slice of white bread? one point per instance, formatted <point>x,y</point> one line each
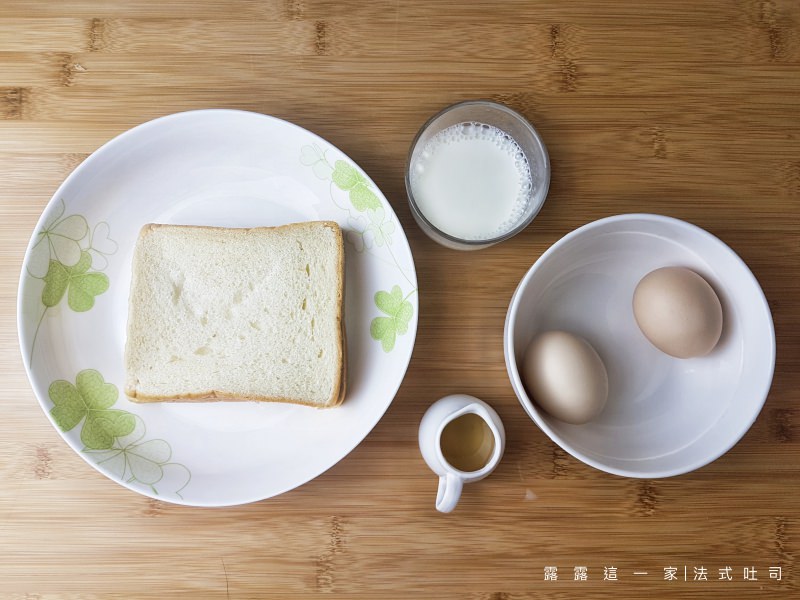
<point>237,314</point>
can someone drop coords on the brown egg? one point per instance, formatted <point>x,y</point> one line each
<point>565,376</point>
<point>678,311</point>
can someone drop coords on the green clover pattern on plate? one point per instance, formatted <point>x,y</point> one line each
<point>69,258</point>
<point>399,312</point>
<point>113,437</point>
<point>90,400</point>
<point>370,228</point>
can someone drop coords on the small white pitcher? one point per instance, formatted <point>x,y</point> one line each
<point>442,413</point>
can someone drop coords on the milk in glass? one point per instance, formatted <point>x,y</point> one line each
<point>471,181</point>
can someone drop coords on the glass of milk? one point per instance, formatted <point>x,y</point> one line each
<point>477,174</point>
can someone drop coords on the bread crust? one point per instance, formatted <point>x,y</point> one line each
<point>340,384</point>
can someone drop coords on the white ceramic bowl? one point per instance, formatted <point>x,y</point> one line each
<point>665,416</point>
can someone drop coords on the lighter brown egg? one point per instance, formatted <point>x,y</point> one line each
<point>565,376</point>
<point>678,311</point>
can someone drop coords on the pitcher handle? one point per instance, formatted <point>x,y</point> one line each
<point>449,492</point>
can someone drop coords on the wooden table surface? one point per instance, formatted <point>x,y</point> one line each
<point>688,109</point>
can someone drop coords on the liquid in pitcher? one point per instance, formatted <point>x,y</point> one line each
<point>467,443</point>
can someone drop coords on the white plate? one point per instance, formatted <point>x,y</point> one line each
<point>665,416</point>
<point>211,167</point>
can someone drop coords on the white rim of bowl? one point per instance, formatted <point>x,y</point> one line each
<point>527,403</point>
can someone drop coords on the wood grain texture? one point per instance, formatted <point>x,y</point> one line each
<point>681,108</point>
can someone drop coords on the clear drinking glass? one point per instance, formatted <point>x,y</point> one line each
<point>515,126</point>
